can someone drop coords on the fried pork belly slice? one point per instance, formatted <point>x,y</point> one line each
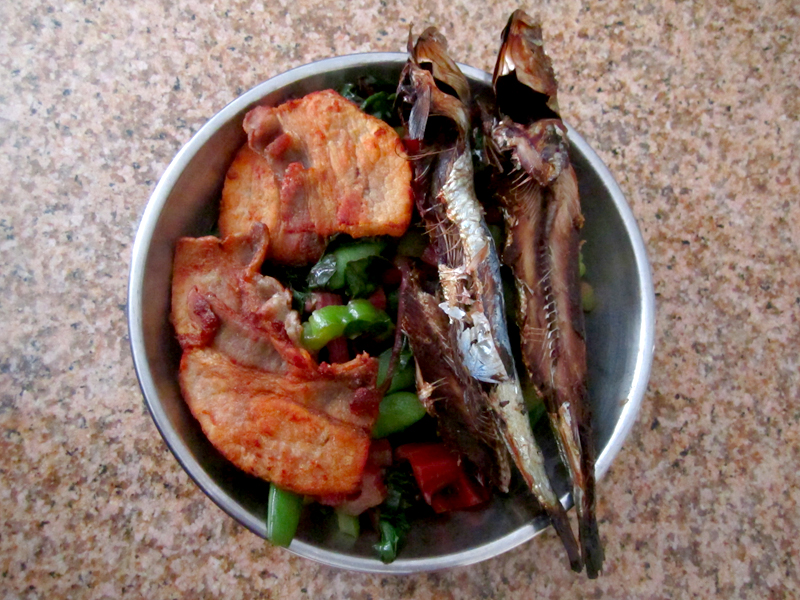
<point>304,430</point>
<point>254,192</point>
<point>217,290</point>
<point>314,167</point>
<point>261,399</point>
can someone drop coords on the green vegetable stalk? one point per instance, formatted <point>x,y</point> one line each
<point>348,524</point>
<point>283,515</point>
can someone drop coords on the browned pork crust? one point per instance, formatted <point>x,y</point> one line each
<point>260,398</point>
<point>297,429</point>
<point>314,167</point>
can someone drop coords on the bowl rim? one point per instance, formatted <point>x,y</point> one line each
<point>144,238</point>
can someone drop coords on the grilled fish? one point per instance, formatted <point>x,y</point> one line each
<point>438,125</point>
<point>457,401</point>
<point>538,192</point>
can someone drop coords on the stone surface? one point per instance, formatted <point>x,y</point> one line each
<point>695,108</point>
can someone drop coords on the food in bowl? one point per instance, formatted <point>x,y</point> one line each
<point>252,375</point>
<point>620,337</point>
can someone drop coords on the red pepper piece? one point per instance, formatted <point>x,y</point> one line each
<point>378,299</point>
<point>434,466</point>
<point>338,351</point>
<point>464,493</point>
<point>440,477</point>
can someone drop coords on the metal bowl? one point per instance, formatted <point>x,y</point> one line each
<point>619,332</point>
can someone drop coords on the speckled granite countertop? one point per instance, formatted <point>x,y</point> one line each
<point>694,106</point>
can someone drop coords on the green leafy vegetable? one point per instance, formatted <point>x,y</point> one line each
<point>349,91</point>
<point>393,522</point>
<point>352,268</point>
<point>323,272</point>
<point>380,105</point>
<point>390,540</point>
<point>370,98</point>
<point>413,243</point>
<point>361,276</point>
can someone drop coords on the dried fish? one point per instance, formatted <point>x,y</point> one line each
<point>539,195</point>
<point>457,401</point>
<point>469,268</point>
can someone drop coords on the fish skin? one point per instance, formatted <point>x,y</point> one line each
<point>543,221</point>
<point>456,400</point>
<point>470,276</point>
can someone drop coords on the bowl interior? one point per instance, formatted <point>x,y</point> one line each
<point>619,336</point>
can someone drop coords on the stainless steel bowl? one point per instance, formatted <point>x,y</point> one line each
<point>619,332</point>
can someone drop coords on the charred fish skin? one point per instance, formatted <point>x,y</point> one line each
<point>469,267</point>
<point>541,204</point>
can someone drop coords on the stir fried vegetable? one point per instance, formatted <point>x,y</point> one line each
<point>393,522</point>
<point>372,100</point>
<point>348,524</point>
<point>357,317</point>
<point>380,105</point>
<point>365,318</point>
<point>398,411</point>
<point>283,515</point>
<point>404,372</point>
<point>413,243</point>
<point>351,268</point>
<point>324,325</point>
<point>441,477</point>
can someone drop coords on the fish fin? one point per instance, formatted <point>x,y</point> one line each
<point>418,118</point>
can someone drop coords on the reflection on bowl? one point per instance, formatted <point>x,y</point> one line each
<point>619,335</point>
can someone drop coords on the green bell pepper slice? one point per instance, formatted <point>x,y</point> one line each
<point>397,411</point>
<point>363,317</point>
<point>325,324</point>
<point>404,374</point>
